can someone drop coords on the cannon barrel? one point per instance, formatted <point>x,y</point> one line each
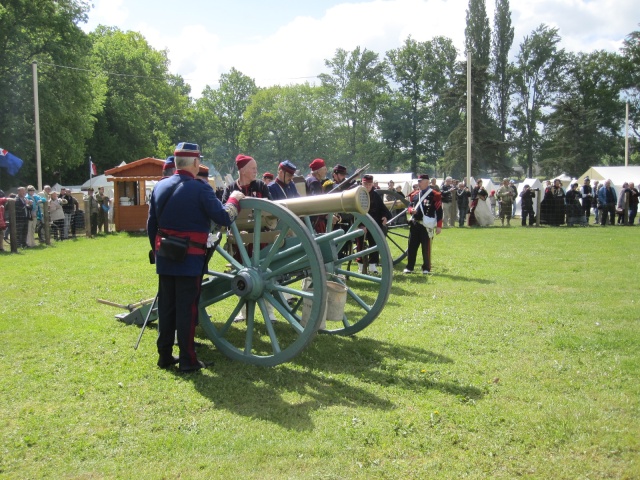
<point>355,200</point>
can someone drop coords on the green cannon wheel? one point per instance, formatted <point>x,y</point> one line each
<point>367,293</point>
<point>260,285</point>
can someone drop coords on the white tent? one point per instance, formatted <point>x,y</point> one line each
<point>97,182</point>
<point>617,175</point>
<point>533,183</point>
<point>399,179</point>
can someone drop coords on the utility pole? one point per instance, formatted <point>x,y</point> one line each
<point>36,108</point>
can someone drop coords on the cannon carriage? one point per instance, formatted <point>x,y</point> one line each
<point>283,275</point>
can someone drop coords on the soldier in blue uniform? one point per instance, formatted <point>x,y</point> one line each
<point>283,186</point>
<point>183,207</point>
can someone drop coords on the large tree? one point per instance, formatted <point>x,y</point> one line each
<point>220,116</point>
<point>422,71</point>
<point>356,87</point>
<point>291,122</point>
<point>583,128</point>
<point>144,106</point>
<point>45,31</point>
<point>502,73</point>
<point>538,73</point>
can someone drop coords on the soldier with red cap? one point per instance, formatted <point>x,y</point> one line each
<point>314,182</point>
<point>247,183</point>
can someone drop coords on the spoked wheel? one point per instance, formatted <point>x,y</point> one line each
<point>398,230</point>
<point>367,293</point>
<point>262,283</point>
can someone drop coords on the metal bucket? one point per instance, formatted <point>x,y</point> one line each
<point>336,301</point>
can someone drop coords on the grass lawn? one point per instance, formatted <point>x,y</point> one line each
<point>520,357</point>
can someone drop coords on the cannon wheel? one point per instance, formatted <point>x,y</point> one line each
<point>258,282</point>
<point>397,234</point>
<point>367,294</point>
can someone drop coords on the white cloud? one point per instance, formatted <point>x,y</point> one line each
<point>298,49</point>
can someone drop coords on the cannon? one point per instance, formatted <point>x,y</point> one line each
<point>280,269</point>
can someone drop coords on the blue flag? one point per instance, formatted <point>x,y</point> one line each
<point>10,162</point>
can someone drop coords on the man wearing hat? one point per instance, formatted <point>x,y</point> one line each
<point>338,175</point>
<point>169,166</point>
<point>316,178</point>
<point>267,178</point>
<point>380,213</point>
<point>314,182</point>
<point>92,207</point>
<point>104,204</point>
<point>182,208</point>
<point>203,174</point>
<point>506,199</point>
<point>247,183</point>
<point>427,204</point>
<point>283,186</point>
<point>587,197</point>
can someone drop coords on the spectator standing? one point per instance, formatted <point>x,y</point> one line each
<point>622,203</point>
<point>92,205</point>
<point>3,223</point>
<point>448,203</point>
<point>526,205</point>
<point>633,202</point>
<point>182,207</point>
<point>587,197</point>
<point>56,214</point>
<point>552,206</point>
<point>575,212</point>
<point>33,216</point>
<point>69,210</point>
<point>594,202</point>
<point>23,215</point>
<point>607,200</point>
<point>462,197</point>
<point>506,200</point>
<point>492,202</point>
<point>104,205</point>
<point>514,190</point>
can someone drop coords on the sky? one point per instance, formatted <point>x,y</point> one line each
<point>281,42</point>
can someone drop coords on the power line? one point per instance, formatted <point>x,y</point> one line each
<point>103,73</point>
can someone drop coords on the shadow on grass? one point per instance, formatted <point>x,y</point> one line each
<point>332,372</point>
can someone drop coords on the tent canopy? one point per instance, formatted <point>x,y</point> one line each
<point>617,175</point>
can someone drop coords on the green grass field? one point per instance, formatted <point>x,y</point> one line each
<point>519,358</point>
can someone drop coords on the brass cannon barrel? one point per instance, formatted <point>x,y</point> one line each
<point>355,200</point>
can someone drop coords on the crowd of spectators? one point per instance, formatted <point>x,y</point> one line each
<point>61,210</point>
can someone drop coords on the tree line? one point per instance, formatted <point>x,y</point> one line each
<point>109,95</point>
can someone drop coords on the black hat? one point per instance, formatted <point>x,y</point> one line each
<point>424,176</point>
<point>367,178</point>
<point>340,169</point>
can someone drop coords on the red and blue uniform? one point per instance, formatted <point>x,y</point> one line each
<point>186,208</point>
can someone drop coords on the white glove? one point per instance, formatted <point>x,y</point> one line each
<point>238,195</point>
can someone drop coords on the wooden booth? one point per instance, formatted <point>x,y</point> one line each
<point>132,186</point>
